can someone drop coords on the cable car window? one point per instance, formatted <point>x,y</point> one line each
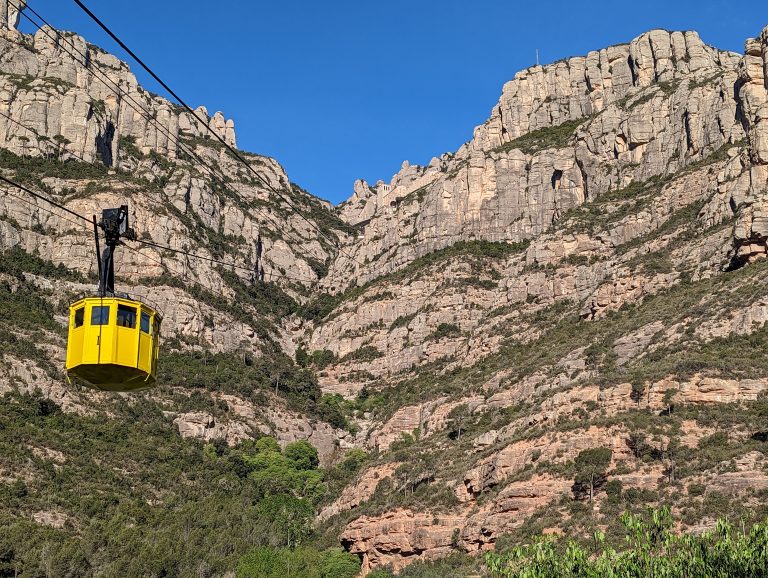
<point>79,317</point>
<point>100,315</point>
<point>145,322</point>
<point>126,316</point>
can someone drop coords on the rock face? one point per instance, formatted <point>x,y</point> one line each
<point>752,227</point>
<point>64,99</point>
<point>582,86</point>
<point>63,96</point>
<point>400,535</point>
<point>656,108</point>
<point>245,421</point>
<point>360,491</point>
<point>394,538</point>
<point>591,166</point>
<point>10,12</point>
<point>94,138</point>
<point>626,113</point>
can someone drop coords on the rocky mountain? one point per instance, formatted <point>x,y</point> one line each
<point>586,273</point>
<point>92,137</point>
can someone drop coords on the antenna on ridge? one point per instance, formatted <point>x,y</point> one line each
<point>537,57</point>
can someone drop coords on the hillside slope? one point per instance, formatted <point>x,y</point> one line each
<point>588,271</point>
<point>96,484</point>
<point>77,127</point>
<point>625,309</point>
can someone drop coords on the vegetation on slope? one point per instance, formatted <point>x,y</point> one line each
<point>262,484</point>
<point>15,261</point>
<point>260,305</point>
<point>242,375</point>
<point>28,169</point>
<point>557,136</point>
<point>28,312</point>
<point>652,549</point>
<point>127,496</point>
<point>562,331</point>
<point>656,436</point>
<point>475,252</point>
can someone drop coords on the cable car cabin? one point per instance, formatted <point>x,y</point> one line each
<point>113,343</point>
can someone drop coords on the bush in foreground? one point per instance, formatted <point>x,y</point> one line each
<point>652,550</point>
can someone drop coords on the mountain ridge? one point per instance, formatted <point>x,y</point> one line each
<point>573,277</point>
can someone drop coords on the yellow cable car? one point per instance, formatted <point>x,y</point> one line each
<point>113,340</point>
<point>113,343</point>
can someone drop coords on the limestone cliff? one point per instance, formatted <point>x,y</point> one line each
<point>592,127</point>
<point>560,134</point>
<point>10,13</point>
<point>60,87</point>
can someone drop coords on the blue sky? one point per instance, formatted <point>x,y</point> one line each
<point>344,89</point>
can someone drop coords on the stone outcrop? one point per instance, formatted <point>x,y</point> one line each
<point>399,318</point>
<point>52,518</point>
<point>28,377</point>
<point>204,426</point>
<point>63,96</point>
<point>514,457</point>
<point>514,504</point>
<point>400,535</point>
<point>10,13</point>
<point>244,420</point>
<point>361,490</point>
<point>395,537</point>
<point>751,231</point>
<point>578,87</point>
<point>749,476</point>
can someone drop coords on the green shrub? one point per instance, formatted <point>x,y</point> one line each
<point>127,145</point>
<point>322,358</point>
<point>445,330</point>
<point>696,489</point>
<point>34,169</point>
<point>455,565</point>
<point>613,489</point>
<point>240,374</point>
<point>591,466</point>
<point>365,353</point>
<point>402,321</point>
<point>333,409</point>
<point>557,136</point>
<point>303,562</point>
<point>141,500</point>
<point>302,454</point>
<point>652,550</point>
